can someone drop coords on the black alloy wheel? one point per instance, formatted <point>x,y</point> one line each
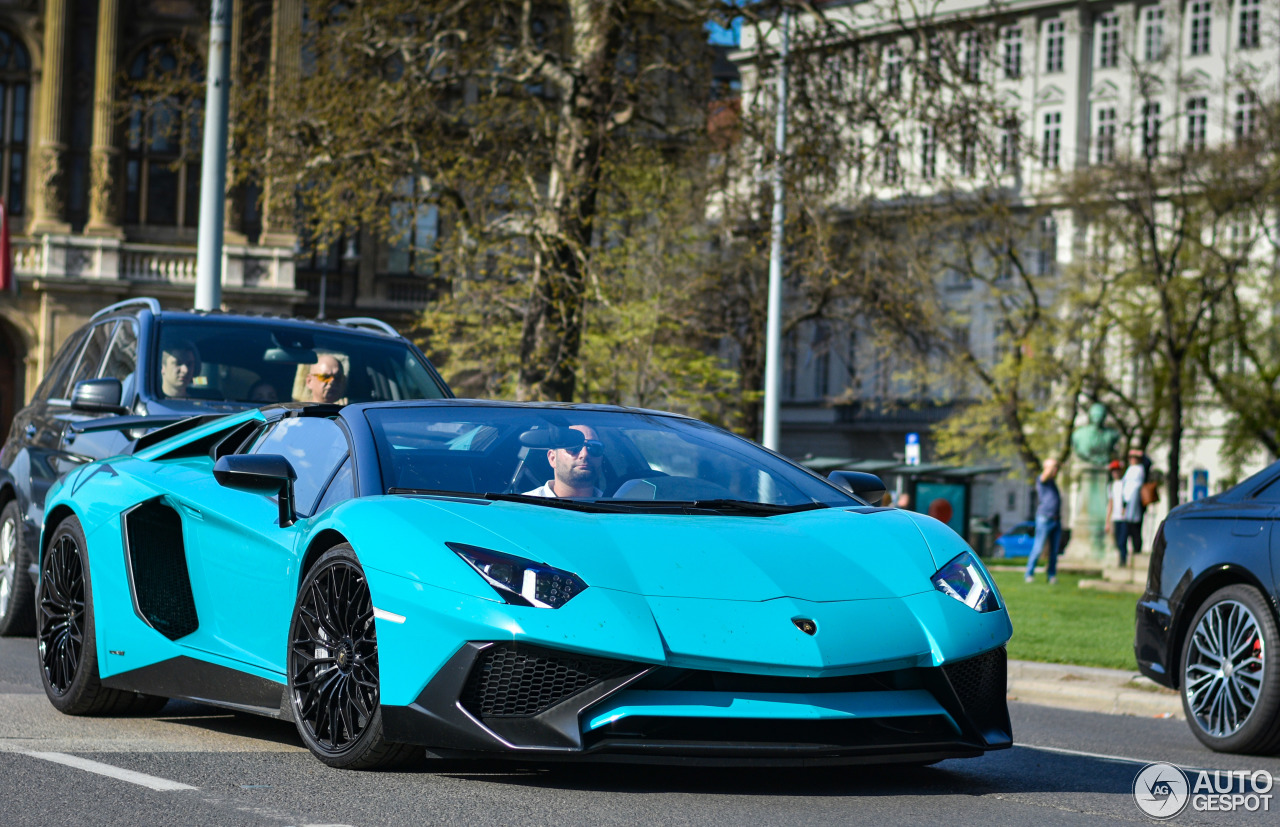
<point>65,634</point>
<point>1231,673</point>
<point>17,615</point>
<point>333,667</point>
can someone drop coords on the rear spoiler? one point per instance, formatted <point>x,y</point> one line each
<point>164,425</point>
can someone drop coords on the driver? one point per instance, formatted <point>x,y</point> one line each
<point>179,364</point>
<point>576,467</point>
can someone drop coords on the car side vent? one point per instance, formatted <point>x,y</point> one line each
<point>522,681</point>
<point>158,569</point>
<point>980,684</point>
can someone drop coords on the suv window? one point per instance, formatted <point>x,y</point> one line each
<point>91,356</point>
<point>247,362</point>
<point>313,446</point>
<point>55,380</point>
<point>122,360</point>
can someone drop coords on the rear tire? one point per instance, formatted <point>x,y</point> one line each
<point>333,668</point>
<point>66,639</point>
<point>17,592</point>
<point>1231,673</point>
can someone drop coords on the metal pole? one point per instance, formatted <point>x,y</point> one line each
<point>213,166</point>
<point>773,327</point>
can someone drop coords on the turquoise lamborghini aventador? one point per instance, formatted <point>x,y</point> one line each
<point>464,578</point>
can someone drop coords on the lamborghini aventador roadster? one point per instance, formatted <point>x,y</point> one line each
<point>462,578</point>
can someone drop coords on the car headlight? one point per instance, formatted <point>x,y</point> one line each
<point>965,580</point>
<point>518,581</point>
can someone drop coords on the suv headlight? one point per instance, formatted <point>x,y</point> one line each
<point>518,581</point>
<point>965,580</point>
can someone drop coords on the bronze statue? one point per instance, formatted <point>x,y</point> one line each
<point>1094,443</point>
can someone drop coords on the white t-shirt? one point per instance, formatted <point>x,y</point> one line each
<point>1132,481</point>
<point>548,491</point>
<point>1117,501</point>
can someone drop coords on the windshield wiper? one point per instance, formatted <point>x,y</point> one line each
<point>718,506</point>
<point>552,502</point>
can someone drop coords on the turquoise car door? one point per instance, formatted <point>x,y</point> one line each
<point>245,565</point>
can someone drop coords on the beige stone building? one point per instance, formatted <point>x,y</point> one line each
<point>105,204</point>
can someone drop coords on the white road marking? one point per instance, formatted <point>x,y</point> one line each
<point>119,773</point>
<point>1103,756</point>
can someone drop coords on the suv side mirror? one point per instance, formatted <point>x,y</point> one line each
<point>98,396</point>
<point>265,473</point>
<point>865,486</point>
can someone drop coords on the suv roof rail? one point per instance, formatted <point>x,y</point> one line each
<point>370,323</point>
<point>144,301</point>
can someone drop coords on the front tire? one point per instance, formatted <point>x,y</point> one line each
<point>17,609</point>
<point>1231,673</point>
<point>333,668</point>
<point>65,633</point>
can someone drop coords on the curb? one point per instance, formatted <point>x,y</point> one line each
<point>1090,689</point>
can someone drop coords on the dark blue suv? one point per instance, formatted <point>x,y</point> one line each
<point>134,359</point>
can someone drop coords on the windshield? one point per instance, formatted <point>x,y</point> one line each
<point>557,457</point>
<point>263,363</point>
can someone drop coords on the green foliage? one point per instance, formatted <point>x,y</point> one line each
<point>1062,623</point>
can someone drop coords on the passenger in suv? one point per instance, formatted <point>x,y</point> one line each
<point>132,358</point>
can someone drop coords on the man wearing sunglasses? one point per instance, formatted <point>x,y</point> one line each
<point>576,466</point>
<point>326,382</point>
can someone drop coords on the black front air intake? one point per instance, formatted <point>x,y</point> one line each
<point>509,680</point>
<point>980,684</point>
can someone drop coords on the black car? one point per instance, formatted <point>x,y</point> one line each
<point>133,358</point>
<point>1207,624</point>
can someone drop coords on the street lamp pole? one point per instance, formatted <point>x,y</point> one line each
<point>773,326</point>
<point>213,165</point>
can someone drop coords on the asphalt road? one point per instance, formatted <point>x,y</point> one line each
<point>215,768</point>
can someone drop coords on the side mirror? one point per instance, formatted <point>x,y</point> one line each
<point>266,473</point>
<point>98,396</point>
<point>867,487</point>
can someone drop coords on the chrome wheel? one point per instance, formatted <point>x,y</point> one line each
<point>1225,668</point>
<point>333,657</point>
<point>8,562</point>
<point>62,615</point>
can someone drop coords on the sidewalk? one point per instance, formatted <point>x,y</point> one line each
<point>1087,688</point>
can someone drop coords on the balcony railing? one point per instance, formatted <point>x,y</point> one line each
<point>73,257</point>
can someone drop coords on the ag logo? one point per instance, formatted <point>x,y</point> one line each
<point>1161,790</point>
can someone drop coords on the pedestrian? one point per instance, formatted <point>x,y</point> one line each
<point>1115,509</point>
<point>1048,522</point>
<point>1131,496</point>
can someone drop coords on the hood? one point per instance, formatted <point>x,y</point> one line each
<point>823,555</point>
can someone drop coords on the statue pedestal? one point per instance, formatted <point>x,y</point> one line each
<point>1089,537</point>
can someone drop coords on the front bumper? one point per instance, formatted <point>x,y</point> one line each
<point>520,700</point>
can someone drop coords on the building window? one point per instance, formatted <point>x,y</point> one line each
<point>1151,129</point>
<point>790,364</point>
<point>1250,33</point>
<point>1109,40</point>
<point>971,56</point>
<point>1152,33</point>
<point>822,372</point>
<point>1055,38</point>
<point>1047,246</point>
<point>928,153</point>
<point>15,99</point>
<point>1009,140</point>
<point>1052,150</point>
<point>1106,142</point>
<point>1201,20</point>
<point>893,70</point>
<point>415,229</point>
<point>162,147</point>
<point>1012,37</point>
<point>967,160</point>
<point>1246,116</point>
<point>1197,120</point>
<point>889,159</point>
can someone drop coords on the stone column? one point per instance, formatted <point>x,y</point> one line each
<point>50,200</point>
<point>104,167</point>
<point>286,65</point>
<point>233,215</point>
